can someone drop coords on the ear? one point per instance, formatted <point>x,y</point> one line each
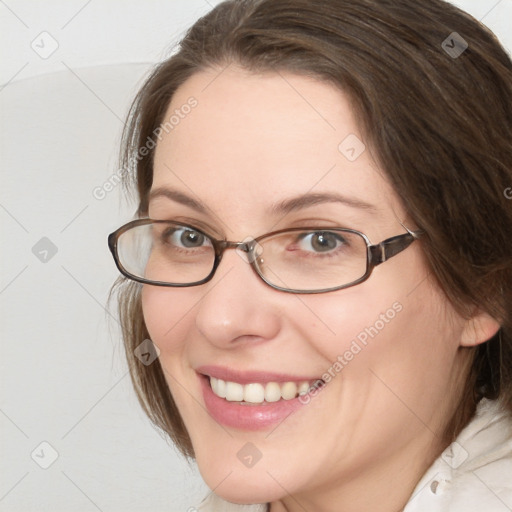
<point>479,328</point>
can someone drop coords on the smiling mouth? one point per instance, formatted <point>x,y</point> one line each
<point>261,393</point>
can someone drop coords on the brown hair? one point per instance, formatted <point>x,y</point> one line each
<point>437,117</point>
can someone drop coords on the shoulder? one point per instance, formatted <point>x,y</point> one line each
<point>214,503</point>
<point>474,472</point>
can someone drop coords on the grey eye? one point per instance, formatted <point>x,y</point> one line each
<point>187,238</point>
<point>320,241</point>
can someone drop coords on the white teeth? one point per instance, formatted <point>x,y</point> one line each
<point>218,386</point>
<point>272,392</point>
<point>303,388</point>
<point>289,390</point>
<point>256,393</point>
<point>221,388</point>
<point>234,392</point>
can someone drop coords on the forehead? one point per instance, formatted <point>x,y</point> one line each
<point>255,139</point>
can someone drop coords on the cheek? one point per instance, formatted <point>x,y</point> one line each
<point>386,323</point>
<point>167,314</point>
<point>346,323</point>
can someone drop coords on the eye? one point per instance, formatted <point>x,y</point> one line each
<point>186,238</point>
<point>321,241</point>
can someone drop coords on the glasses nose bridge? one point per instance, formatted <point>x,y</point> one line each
<point>246,245</point>
<point>249,246</point>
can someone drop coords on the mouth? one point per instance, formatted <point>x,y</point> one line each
<point>258,393</point>
<point>254,400</point>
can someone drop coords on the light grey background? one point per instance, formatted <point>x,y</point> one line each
<point>64,379</point>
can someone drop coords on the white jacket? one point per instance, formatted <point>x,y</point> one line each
<point>474,474</point>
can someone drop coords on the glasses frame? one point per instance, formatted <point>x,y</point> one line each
<point>375,253</point>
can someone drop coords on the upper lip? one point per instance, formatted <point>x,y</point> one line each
<point>250,376</point>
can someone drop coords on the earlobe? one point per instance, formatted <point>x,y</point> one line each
<point>478,329</point>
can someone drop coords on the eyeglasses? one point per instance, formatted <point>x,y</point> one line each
<point>297,260</point>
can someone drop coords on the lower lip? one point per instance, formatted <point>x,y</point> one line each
<point>246,417</point>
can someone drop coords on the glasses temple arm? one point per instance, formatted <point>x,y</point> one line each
<point>392,246</point>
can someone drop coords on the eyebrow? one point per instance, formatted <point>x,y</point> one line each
<point>178,197</point>
<point>281,208</point>
<point>306,200</point>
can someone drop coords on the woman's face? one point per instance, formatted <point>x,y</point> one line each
<point>390,345</point>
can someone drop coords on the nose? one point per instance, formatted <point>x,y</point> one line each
<point>237,305</point>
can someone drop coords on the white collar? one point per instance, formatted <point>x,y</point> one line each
<point>475,472</point>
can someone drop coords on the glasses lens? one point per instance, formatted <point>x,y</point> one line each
<point>313,260</point>
<point>166,252</point>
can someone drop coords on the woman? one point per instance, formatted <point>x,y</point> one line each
<point>328,283</point>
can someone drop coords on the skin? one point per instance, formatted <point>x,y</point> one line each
<point>366,439</point>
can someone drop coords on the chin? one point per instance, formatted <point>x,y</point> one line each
<point>243,486</point>
<point>243,492</point>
